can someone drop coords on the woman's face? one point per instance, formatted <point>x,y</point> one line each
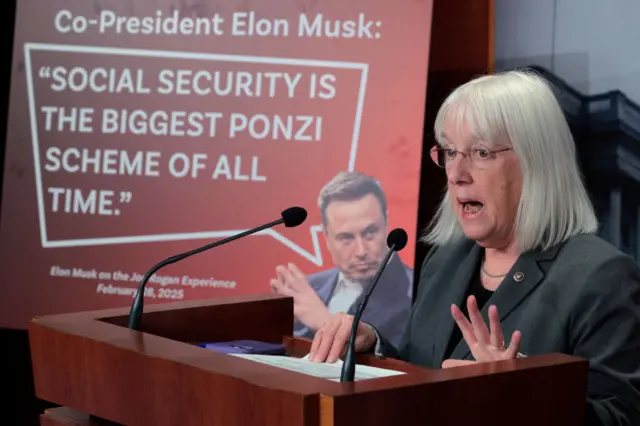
<point>484,186</point>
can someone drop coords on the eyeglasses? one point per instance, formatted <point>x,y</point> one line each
<point>479,156</point>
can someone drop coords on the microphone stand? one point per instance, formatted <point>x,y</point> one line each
<point>135,315</point>
<point>349,364</point>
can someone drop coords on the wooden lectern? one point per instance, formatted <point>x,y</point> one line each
<point>102,373</point>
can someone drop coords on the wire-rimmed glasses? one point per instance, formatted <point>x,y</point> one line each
<point>478,155</point>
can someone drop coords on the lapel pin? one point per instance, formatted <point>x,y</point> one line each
<point>518,276</point>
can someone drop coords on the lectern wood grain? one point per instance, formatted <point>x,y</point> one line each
<point>92,363</point>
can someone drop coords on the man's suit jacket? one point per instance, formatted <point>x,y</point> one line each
<point>581,299</point>
<point>389,304</point>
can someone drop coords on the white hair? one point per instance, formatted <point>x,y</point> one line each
<point>518,109</point>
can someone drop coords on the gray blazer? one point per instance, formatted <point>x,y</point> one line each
<point>581,299</point>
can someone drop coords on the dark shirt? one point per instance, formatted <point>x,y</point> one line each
<point>481,294</point>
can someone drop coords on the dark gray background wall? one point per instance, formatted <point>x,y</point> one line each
<point>593,44</point>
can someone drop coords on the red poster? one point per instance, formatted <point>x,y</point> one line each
<point>138,130</point>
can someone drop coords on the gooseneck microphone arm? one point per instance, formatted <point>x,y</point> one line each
<point>291,217</point>
<point>396,241</point>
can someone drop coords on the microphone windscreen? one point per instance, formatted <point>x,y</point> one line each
<point>397,239</point>
<point>294,216</point>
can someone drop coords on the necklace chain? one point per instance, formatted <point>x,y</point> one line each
<point>484,271</point>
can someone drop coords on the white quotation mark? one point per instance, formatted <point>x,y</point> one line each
<point>125,197</point>
<point>45,72</point>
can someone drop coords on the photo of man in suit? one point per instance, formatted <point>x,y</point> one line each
<point>354,213</point>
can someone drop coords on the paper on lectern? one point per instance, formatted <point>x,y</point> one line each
<point>319,369</point>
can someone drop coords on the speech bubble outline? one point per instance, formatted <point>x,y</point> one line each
<point>315,258</point>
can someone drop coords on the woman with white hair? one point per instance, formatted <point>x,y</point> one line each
<point>513,243</point>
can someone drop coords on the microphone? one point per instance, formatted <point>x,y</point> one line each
<point>291,217</point>
<point>396,240</point>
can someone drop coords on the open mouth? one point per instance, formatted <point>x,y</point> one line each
<point>471,207</point>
